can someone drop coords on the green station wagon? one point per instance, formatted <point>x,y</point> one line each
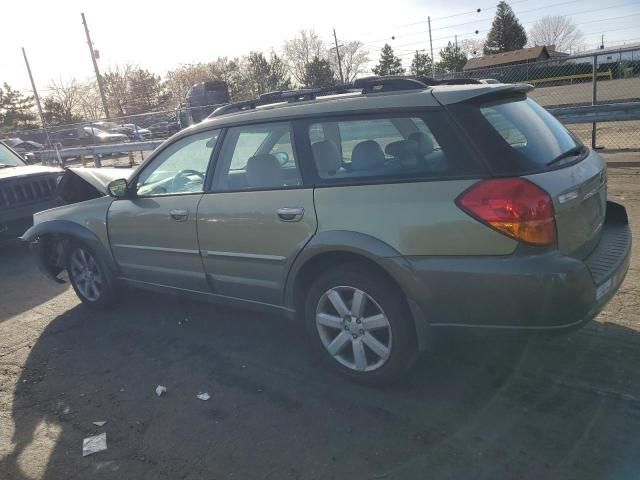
<point>375,213</point>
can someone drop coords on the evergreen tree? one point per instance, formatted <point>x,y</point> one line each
<point>318,74</point>
<point>421,64</point>
<point>16,110</point>
<point>452,58</point>
<point>389,64</point>
<point>266,75</point>
<point>506,32</point>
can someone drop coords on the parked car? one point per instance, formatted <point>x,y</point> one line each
<point>376,217</point>
<point>83,136</point>
<point>133,132</point>
<point>27,149</point>
<point>164,129</point>
<point>24,190</point>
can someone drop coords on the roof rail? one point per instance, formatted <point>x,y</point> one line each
<point>363,85</point>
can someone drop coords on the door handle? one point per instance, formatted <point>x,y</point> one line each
<point>179,215</point>
<point>290,214</point>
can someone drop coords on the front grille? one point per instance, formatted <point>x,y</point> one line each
<point>25,191</point>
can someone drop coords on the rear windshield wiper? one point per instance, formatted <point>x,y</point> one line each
<point>572,152</point>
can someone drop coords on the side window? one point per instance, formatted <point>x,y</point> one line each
<point>378,147</point>
<point>257,157</point>
<point>179,168</point>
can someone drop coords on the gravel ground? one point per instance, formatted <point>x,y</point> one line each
<point>481,406</point>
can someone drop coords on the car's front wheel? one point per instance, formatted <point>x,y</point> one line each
<point>360,323</point>
<point>91,279</point>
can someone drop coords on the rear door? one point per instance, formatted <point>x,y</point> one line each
<point>257,215</point>
<point>517,137</point>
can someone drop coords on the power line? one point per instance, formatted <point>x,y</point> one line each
<point>423,32</point>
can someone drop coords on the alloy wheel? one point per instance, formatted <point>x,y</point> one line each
<point>353,328</point>
<point>85,274</point>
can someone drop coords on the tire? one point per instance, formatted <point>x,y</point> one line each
<point>99,289</point>
<point>357,336</point>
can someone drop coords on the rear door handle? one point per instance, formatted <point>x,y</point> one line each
<point>179,215</point>
<point>291,214</point>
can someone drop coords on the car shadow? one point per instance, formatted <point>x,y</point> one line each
<point>22,288</point>
<point>476,406</point>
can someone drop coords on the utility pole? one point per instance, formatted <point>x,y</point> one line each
<point>456,43</point>
<point>38,104</point>
<point>33,88</point>
<point>335,37</point>
<point>433,60</point>
<point>95,67</point>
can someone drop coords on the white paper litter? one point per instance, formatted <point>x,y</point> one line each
<point>91,445</point>
<point>203,396</point>
<point>160,389</point>
<point>99,424</point>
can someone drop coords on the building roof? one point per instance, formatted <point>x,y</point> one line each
<point>515,56</point>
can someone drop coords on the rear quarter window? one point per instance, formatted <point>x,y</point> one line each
<point>515,135</point>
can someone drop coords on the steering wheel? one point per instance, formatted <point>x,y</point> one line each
<point>180,180</point>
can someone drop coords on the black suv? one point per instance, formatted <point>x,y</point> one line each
<point>24,190</point>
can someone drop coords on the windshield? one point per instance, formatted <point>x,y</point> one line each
<point>8,158</point>
<point>517,136</point>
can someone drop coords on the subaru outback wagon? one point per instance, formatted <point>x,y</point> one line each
<point>375,213</point>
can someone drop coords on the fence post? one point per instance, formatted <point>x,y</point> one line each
<point>97,160</point>
<point>594,81</point>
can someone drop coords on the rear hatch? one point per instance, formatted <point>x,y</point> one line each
<point>518,138</point>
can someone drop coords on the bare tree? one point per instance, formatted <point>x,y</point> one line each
<point>557,30</point>
<point>300,51</point>
<point>62,105</point>
<point>90,101</point>
<point>473,47</point>
<point>353,58</point>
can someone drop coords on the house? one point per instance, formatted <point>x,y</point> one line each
<point>515,57</point>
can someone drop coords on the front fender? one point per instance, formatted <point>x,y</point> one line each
<point>73,230</point>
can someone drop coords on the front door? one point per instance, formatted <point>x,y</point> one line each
<point>258,215</point>
<point>154,235</point>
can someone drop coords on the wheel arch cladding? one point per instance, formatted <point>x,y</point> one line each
<point>327,249</point>
<point>71,230</point>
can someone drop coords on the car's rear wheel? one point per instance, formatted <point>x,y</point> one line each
<point>360,324</point>
<point>91,279</point>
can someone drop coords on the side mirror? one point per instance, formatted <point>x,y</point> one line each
<point>118,188</point>
<point>283,157</point>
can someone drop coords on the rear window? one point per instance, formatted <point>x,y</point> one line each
<point>517,136</point>
<point>420,145</point>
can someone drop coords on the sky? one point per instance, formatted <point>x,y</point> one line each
<point>160,36</point>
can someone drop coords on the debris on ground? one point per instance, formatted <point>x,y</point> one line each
<point>203,396</point>
<point>160,389</point>
<point>91,445</point>
<point>100,424</point>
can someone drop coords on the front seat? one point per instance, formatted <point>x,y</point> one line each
<point>264,171</point>
<point>327,157</point>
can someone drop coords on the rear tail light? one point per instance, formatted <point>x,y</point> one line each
<point>512,206</point>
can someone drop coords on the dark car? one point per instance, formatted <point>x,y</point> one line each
<point>24,190</point>
<point>27,149</point>
<point>83,136</point>
<point>164,129</point>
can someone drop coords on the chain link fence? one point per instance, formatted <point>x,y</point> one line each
<point>560,82</point>
<point>570,81</point>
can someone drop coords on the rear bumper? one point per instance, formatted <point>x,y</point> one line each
<point>546,291</point>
